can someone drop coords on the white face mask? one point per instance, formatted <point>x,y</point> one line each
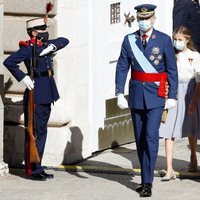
<point>179,45</point>
<point>144,25</point>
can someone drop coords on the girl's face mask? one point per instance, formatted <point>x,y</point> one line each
<point>179,45</point>
<point>180,42</point>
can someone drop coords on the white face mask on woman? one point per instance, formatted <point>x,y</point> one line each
<point>144,25</point>
<point>179,45</point>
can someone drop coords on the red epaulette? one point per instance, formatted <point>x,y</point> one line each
<point>29,43</point>
<point>24,43</point>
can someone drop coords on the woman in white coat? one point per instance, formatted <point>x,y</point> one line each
<point>182,120</point>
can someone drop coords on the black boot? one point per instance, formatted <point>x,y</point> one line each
<point>146,191</point>
<point>48,176</point>
<point>38,177</point>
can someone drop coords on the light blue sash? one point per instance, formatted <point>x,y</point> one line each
<point>142,60</point>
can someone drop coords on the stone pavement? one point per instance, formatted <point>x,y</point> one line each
<point>107,175</point>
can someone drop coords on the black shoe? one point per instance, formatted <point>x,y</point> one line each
<point>38,177</point>
<point>146,191</point>
<point>48,176</point>
<point>139,188</point>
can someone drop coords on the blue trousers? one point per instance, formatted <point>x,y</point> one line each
<point>146,125</point>
<point>41,116</point>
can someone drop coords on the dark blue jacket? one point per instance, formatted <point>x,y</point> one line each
<point>187,13</point>
<point>160,53</point>
<point>45,89</point>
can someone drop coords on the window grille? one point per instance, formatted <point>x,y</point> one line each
<point>115,13</point>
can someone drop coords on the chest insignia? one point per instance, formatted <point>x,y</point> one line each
<point>190,60</point>
<point>155,56</point>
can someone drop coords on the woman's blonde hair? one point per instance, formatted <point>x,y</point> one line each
<point>186,33</point>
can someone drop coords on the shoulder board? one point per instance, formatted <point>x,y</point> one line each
<point>24,43</point>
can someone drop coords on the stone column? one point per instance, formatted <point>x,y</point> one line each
<point>3,166</point>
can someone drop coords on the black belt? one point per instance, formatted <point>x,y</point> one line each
<point>48,73</point>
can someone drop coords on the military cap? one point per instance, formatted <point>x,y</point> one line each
<point>37,23</point>
<point>145,10</point>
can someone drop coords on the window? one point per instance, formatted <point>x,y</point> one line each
<point>115,13</point>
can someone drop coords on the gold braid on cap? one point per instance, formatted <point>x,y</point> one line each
<point>145,13</point>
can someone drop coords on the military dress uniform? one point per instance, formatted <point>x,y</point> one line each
<point>146,96</point>
<point>45,90</point>
<point>187,13</point>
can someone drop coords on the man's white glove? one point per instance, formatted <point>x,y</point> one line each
<point>48,50</point>
<point>28,82</point>
<point>121,101</point>
<point>170,103</point>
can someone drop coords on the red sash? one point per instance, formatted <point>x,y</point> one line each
<point>152,77</point>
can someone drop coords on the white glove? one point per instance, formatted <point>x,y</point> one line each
<point>48,50</point>
<point>170,103</point>
<point>28,82</point>
<point>121,101</point>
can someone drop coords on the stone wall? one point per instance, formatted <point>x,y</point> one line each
<point>16,13</point>
<point>80,123</point>
<point>3,166</point>
<point>69,134</point>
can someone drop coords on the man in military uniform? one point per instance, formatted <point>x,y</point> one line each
<point>187,13</point>
<point>150,54</point>
<point>45,90</point>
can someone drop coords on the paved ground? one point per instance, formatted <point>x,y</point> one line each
<point>112,174</point>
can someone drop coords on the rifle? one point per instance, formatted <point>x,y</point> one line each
<point>32,153</point>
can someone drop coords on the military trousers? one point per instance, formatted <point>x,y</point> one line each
<point>41,117</point>
<point>146,125</point>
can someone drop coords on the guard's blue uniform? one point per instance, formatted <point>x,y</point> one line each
<point>45,90</point>
<point>187,13</point>
<point>146,106</point>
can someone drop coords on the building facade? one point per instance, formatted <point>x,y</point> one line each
<point>3,166</point>
<point>86,118</point>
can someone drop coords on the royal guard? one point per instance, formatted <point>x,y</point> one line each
<point>150,55</point>
<point>36,54</point>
